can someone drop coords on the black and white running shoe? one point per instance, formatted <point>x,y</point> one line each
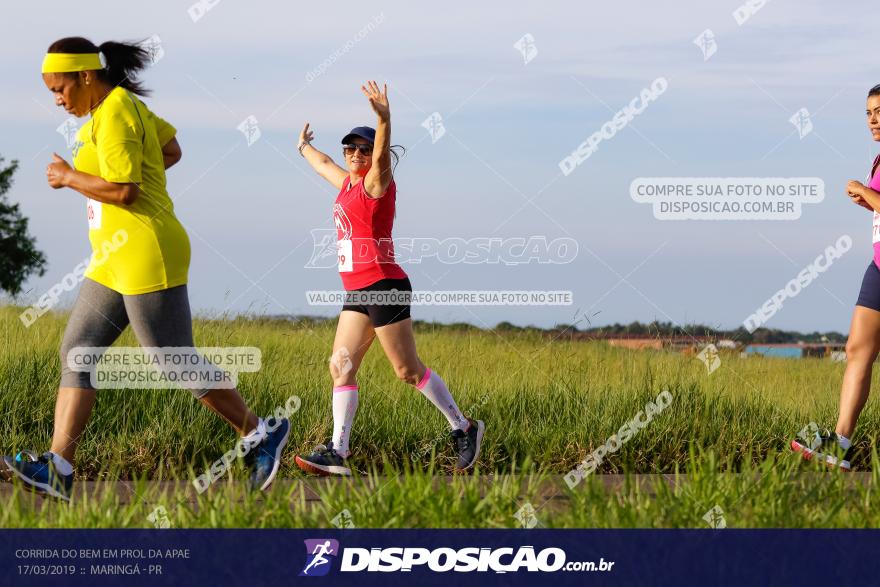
<point>468,444</point>
<point>324,461</point>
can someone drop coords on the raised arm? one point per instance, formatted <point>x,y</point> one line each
<point>378,178</point>
<point>321,162</point>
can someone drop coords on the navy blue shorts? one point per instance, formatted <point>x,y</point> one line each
<point>869,296</point>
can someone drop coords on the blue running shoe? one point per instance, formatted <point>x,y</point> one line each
<point>6,473</point>
<point>264,459</point>
<point>27,455</point>
<point>39,475</point>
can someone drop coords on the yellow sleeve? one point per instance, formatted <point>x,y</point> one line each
<point>120,147</point>
<point>164,129</point>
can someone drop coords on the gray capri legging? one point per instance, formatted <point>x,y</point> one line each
<point>100,315</point>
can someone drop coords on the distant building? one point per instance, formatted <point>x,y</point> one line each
<point>686,344</point>
<point>833,351</point>
<point>636,343</point>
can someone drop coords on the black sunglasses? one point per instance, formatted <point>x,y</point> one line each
<point>364,149</point>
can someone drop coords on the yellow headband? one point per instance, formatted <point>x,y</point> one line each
<point>67,62</point>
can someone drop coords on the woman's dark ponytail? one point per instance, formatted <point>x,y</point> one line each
<point>124,60</point>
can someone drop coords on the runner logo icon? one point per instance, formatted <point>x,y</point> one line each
<point>320,552</point>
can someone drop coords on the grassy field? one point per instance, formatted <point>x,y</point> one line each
<point>546,404</point>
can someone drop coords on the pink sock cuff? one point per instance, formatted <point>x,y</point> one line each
<point>421,384</point>
<point>345,388</point>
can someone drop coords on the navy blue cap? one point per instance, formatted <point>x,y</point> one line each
<point>364,132</point>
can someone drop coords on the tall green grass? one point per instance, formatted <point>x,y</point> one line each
<point>548,402</point>
<point>779,491</point>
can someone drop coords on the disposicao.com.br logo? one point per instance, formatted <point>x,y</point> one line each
<point>441,560</point>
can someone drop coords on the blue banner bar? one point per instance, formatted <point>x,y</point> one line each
<point>467,557</point>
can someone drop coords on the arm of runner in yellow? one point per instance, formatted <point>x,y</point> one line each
<point>60,174</point>
<point>171,153</point>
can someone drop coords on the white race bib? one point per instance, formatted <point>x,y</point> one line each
<point>343,251</point>
<point>93,212</point>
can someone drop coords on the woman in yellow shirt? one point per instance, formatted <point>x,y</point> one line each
<point>141,254</point>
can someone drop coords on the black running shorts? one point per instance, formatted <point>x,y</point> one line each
<point>387,301</point>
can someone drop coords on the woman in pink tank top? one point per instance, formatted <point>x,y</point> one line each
<point>378,291</point>
<point>863,344</point>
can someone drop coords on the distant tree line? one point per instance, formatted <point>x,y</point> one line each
<point>657,329</point>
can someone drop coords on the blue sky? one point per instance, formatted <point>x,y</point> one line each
<point>249,209</point>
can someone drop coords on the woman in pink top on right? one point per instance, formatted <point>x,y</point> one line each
<point>863,344</point>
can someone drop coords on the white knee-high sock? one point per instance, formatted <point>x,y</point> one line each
<point>433,388</point>
<point>345,404</point>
